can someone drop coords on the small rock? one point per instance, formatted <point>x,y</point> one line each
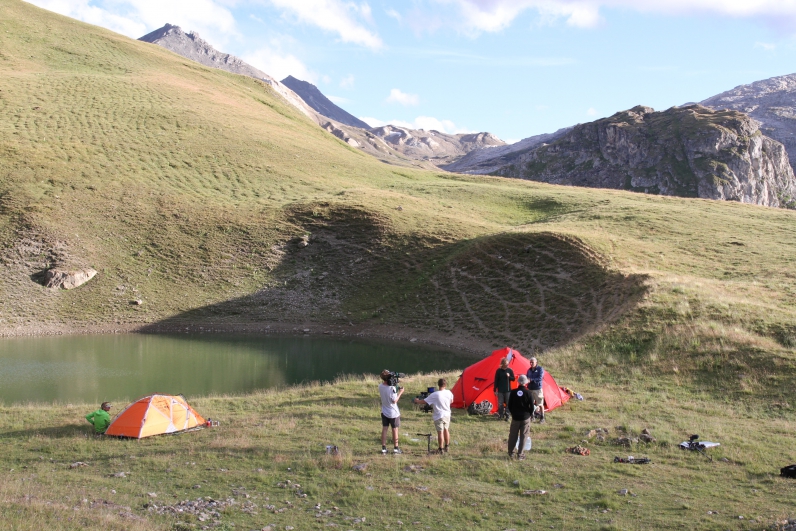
<point>77,464</point>
<point>740,517</point>
<point>113,491</point>
<point>399,208</point>
<point>623,492</point>
<point>516,482</point>
<point>152,494</point>
<point>533,492</point>
<point>119,475</point>
<point>412,340</point>
<point>196,487</point>
<point>137,302</point>
<point>361,467</point>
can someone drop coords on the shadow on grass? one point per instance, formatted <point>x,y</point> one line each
<point>530,290</point>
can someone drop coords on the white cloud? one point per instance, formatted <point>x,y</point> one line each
<point>334,15</point>
<point>135,18</point>
<point>337,99</point>
<point>278,64</point>
<point>767,46</point>
<point>347,82</point>
<point>256,18</point>
<point>396,96</point>
<point>495,15</point>
<point>392,13</point>
<point>591,111</point>
<point>427,123</point>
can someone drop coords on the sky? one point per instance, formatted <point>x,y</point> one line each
<point>515,68</point>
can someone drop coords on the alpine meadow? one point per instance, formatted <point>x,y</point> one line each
<point>204,200</point>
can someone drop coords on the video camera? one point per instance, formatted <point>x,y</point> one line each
<point>395,378</point>
<point>425,408</point>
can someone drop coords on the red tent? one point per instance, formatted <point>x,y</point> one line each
<point>477,381</point>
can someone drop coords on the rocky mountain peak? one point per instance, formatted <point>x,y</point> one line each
<point>323,105</point>
<point>688,151</point>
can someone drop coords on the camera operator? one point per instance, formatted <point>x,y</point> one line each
<point>390,414</point>
<point>440,401</point>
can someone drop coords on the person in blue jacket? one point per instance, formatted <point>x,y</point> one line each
<point>535,376</point>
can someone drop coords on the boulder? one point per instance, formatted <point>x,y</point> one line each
<point>60,278</point>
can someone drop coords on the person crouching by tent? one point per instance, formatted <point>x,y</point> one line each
<point>100,419</point>
<point>440,401</point>
<point>535,376</point>
<point>521,408</point>
<point>503,378</point>
<point>390,414</point>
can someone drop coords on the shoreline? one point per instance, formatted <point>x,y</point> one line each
<point>474,346</point>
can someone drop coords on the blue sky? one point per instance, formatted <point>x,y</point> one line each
<point>515,68</point>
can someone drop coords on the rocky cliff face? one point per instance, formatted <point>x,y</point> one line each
<point>772,102</point>
<point>687,151</point>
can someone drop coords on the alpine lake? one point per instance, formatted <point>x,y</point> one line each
<point>123,367</point>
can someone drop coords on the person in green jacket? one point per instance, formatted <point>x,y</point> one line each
<point>100,419</point>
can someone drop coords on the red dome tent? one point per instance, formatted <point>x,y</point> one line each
<point>477,381</point>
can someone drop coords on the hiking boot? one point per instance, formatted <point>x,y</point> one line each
<point>511,455</point>
<point>445,449</point>
<point>521,457</point>
<point>396,451</point>
<point>384,451</point>
<point>541,420</point>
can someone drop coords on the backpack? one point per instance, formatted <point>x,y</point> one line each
<point>788,471</point>
<point>482,408</point>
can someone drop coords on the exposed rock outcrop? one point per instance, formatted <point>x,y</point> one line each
<point>772,102</point>
<point>684,151</point>
<point>60,278</point>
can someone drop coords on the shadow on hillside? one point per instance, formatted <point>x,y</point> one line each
<point>530,290</point>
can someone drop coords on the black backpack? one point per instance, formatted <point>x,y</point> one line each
<point>788,471</point>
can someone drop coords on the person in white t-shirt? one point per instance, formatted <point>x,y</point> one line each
<point>390,414</point>
<point>440,401</point>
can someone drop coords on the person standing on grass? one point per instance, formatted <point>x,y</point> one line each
<point>390,414</point>
<point>440,401</point>
<point>100,419</point>
<point>521,408</point>
<point>503,378</point>
<point>535,376</point>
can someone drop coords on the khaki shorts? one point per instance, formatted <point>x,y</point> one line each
<point>443,424</point>
<point>538,397</point>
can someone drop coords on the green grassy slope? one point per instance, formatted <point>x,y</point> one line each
<point>189,188</point>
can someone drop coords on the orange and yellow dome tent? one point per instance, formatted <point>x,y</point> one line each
<point>155,415</point>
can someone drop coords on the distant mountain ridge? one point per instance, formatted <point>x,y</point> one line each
<point>688,151</point>
<point>315,99</point>
<point>193,47</point>
<point>771,101</point>
<point>390,144</point>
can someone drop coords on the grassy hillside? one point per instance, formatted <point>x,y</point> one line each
<point>191,190</point>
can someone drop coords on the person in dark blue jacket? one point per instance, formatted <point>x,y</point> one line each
<point>535,376</point>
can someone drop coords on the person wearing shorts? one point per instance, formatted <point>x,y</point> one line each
<point>440,402</point>
<point>390,414</point>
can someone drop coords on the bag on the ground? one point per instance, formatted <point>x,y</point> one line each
<point>788,471</point>
<point>481,408</point>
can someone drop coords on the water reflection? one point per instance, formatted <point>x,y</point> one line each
<point>122,367</point>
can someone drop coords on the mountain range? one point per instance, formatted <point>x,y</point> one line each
<point>758,172</point>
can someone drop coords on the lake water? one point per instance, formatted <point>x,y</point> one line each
<point>123,367</point>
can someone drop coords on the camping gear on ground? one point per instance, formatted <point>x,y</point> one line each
<point>632,460</point>
<point>155,415</point>
<point>579,450</point>
<point>695,445</point>
<point>476,384</point>
<point>788,471</point>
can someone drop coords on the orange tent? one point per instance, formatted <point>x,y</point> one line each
<point>477,381</point>
<point>155,415</point>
